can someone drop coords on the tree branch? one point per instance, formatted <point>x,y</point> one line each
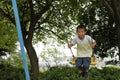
<point>110,9</point>
<point>32,21</point>
<point>36,18</point>
<point>7,16</point>
<point>24,9</point>
<point>45,20</point>
<point>116,11</point>
<point>47,30</point>
<point>43,10</point>
<point>31,10</point>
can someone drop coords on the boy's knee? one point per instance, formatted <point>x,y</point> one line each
<point>86,63</point>
<point>78,63</point>
<point>86,67</point>
<point>78,66</point>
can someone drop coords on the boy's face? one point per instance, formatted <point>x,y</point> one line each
<point>81,33</point>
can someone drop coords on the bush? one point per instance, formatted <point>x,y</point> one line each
<point>8,72</point>
<point>71,73</point>
<point>60,73</point>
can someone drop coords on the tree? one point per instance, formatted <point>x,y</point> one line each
<point>42,19</point>
<point>113,7</point>
<point>38,20</point>
<point>7,41</point>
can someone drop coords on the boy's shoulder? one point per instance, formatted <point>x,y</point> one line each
<point>88,36</point>
<point>76,37</point>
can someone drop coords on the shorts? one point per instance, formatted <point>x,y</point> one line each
<point>83,62</point>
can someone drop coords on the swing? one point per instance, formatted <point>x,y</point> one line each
<point>73,61</point>
<point>73,57</point>
<point>93,60</point>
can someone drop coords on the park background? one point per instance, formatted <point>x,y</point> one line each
<point>46,25</point>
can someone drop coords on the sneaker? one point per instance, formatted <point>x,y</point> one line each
<point>82,74</point>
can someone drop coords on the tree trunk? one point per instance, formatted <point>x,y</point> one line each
<point>118,36</point>
<point>33,60</point>
<point>114,10</point>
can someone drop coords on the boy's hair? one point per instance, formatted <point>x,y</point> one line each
<point>81,27</point>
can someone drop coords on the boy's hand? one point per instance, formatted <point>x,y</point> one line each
<point>70,45</point>
<point>93,45</point>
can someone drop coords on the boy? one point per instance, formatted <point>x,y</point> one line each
<point>84,49</point>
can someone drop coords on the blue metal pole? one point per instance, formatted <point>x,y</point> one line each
<point>20,39</point>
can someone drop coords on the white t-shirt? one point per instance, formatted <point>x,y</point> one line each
<point>83,46</point>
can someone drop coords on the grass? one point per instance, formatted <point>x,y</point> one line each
<point>8,72</point>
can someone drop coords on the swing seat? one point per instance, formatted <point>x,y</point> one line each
<point>93,61</point>
<point>73,61</point>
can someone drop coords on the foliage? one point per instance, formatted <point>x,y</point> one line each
<point>11,67</point>
<point>71,73</point>
<point>112,62</point>
<point>52,54</point>
<point>15,60</point>
<point>8,36</point>
<point>9,72</point>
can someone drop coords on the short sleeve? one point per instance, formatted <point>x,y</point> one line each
<point>91,40</point>
<point>74,41</point>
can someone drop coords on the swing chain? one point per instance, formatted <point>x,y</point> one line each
<point>60,16</point>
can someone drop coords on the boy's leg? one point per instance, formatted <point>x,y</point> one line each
<point>79,65</point>
<point>86,65</point>
<point>82,70</point>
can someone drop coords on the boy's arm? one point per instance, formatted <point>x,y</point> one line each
<point>93,44</point>
<point>70,45</point>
